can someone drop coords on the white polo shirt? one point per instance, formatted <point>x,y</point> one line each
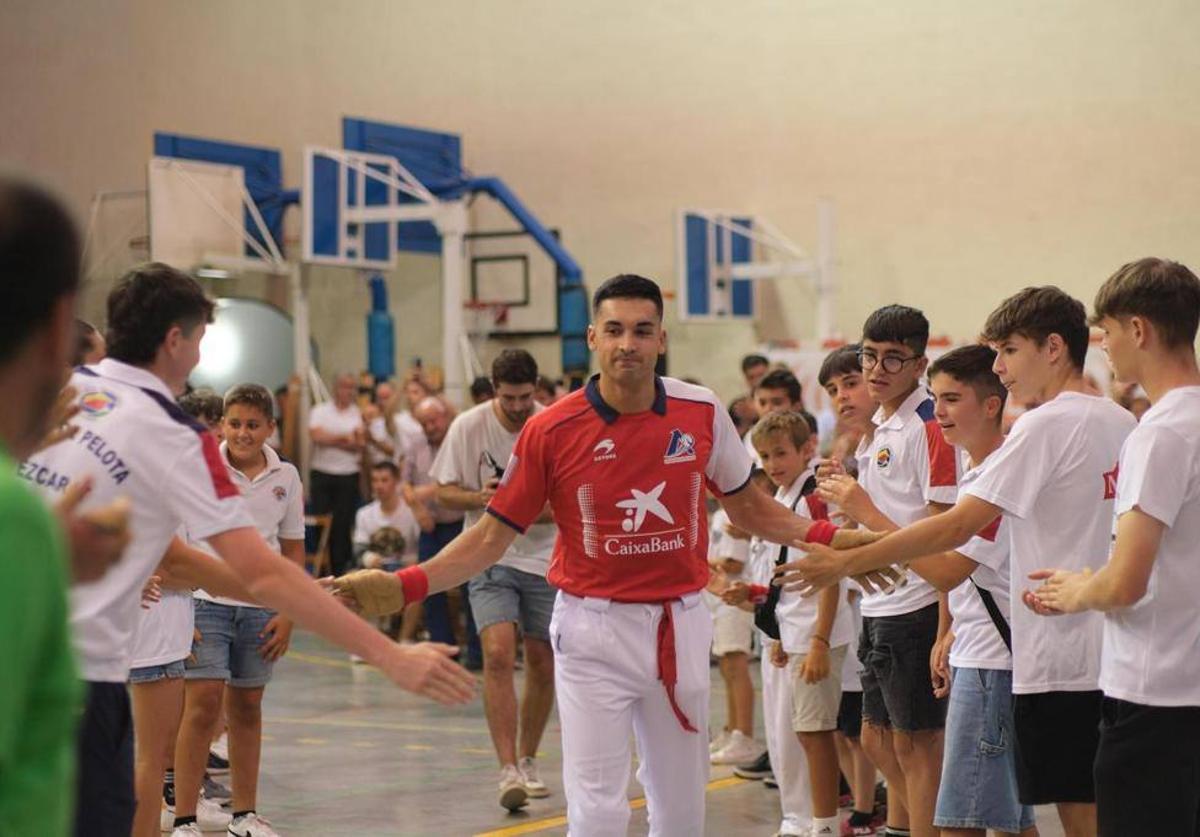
<point>797,615</point>
<point>1055,479</point>
<point>977,641</point>
<point>135,442</point>
<point>329,459</point>
<point>905,465</point>
<point>1152,650</point>
<point>371,518</point>
<point>475,444</point>
<point>164,629</point>
<point>275,501</point>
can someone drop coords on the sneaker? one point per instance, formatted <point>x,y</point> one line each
<point>214,790</point>
<point>534,786</point>
<point>719,742</point>
<point>217,765</point>
<point>209,817</point>
<point>221,746</point>
<point>757,770</point>
<point>189,830</point>
<point>854,827</point>
<point>770,781</point>
<point>845,801</point>
<point>252,825</point>
<point>513,794</point>
<point>356,659</point>
<point>741,750</point>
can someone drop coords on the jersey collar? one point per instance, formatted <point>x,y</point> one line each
<point>133,375</point>
<point>791,494</point>
<point>904,413</point>
<point>273,462</point>
<point>606,412</point>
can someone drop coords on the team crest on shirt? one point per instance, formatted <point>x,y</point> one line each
<point>1110,482</point>
<point>280,493</point>
<point>97,403</point>
<point>681,447</point>
<point>883,458</point>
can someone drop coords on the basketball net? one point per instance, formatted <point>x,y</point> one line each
<point>480,321</point>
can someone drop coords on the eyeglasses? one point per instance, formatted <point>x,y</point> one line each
<point>890,363</point>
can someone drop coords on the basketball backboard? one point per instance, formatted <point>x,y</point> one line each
<point>195,211</point>
<point>512,269</point>
<point>709,245</point>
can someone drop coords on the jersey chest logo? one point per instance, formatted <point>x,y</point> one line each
<point>97,404</point>
<point>681,447</point>
<point>883,458</point>
<point>641,504</point>
<point>280,493</point>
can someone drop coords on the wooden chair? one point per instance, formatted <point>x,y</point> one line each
<point>318,562</point>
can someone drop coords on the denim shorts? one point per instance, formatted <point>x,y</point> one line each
<point>503,594</point>
<point>894,651</point>
<point>228,648</point>
<point>979,770</point>
<point>151,674</point>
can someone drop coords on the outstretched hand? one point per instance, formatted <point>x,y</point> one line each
<point>1060,592</point>
<point>368,592</point>
<point>427,668</point>
<point>822,567</point>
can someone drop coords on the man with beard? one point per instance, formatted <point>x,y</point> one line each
<point>513,592</point>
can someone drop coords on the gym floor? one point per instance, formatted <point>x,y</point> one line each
<point>345,752</point>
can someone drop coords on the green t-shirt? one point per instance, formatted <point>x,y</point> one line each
<point>39,688</point>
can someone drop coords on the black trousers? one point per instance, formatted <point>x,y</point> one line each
<point>337,494</point>
<point>105,783</point>
<point>1148,770</point>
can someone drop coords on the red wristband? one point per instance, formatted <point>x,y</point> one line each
<point>759,593</point>
<point>414,583</point>
<point>821,531</point>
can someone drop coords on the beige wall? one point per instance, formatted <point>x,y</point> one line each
<point>970,147</point>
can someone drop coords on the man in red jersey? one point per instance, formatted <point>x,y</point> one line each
<point>624,464</point>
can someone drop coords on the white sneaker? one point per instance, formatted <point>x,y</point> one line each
<point>513,794</point>
<point>221,746</point>
<point>189,830</point>
<point>209,817</point>
<point>534,785</point>
<point>252,825</point>
<point>740,750</point>
<point>719,742</point>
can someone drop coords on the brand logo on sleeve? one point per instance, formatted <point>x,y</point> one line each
<point>680,448</point>
<point>97,404</point>
<point>605,450</point>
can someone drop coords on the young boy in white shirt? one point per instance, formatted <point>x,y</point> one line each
<point>1055,479</point>
<point>814,633</point>
<point>240,642</point>
<point>1147,764</point>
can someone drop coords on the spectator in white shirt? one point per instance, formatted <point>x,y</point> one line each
<point>336,429</point>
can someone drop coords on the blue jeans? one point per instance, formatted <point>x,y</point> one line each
<point>437,615</point>
<point>979,770</point>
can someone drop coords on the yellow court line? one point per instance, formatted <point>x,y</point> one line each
<point>317,659</point>
<point>559,821</point>
<point>432,726</point>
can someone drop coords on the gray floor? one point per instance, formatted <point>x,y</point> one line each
<point>346,753</point>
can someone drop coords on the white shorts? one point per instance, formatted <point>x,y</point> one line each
<point>733,628</point>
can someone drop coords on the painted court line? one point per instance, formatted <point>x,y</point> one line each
<point>559,821</point>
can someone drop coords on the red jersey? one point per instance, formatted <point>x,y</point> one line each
<point>627,491</point>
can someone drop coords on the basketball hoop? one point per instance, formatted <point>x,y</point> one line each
<point>480,321</point>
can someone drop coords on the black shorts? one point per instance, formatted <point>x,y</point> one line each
<point>105,783</point>
<point>1148,770</point>
<point>849,722</point>
<point>897,691</point>
<point>1057,734</point>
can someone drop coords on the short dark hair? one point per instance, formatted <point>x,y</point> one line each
<point>972,365</point>
<point>628,286</point>
<point>481,387</point>
<point>514,366</point>
<point>255,396</point>
<point>83,340</point>
<point>1036,313</point>
<point>39,261</point>
<point>781,379</point>
<point>841,361</point>
<point>898,324</point>
<point>389,466</point>
<point>546,385</point>
<point>1164,292</point>
<point>203,403</point>
<point>810,420</point>
<point>750,361</point>
<point>145,304</point>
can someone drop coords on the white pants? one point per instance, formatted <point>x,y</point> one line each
<point>788,761</point>
<point>606,681</point>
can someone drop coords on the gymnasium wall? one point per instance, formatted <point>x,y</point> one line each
<point>971,148</point>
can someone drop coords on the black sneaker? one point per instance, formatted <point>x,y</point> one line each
<point>217,765</point>
<point>757,770</point>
